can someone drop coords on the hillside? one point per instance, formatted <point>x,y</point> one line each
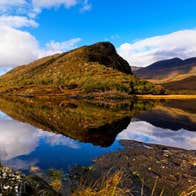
<point>88,69</point>
<point>185,86</point>
<point>176,75</point>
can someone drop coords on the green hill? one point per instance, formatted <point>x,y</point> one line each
<point>95,69</point>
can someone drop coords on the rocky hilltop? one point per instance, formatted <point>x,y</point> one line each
<point>94,69</point>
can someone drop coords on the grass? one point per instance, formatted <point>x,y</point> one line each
<point>56,177</point>
<point>184,86</point>
<point>108,186</point>
<point>167,96</point>
<point>111,185</point>
<point>84,70</point>
<point>190,192</point>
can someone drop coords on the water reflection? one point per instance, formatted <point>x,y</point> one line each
<point>16,139</point>
<point>173,115</point>
<point>21,139</point>
<point>23,146</point>
<point>59,133</point>
<point>85,122</point>
<point>145,132</point>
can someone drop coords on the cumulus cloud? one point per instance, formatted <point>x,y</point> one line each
<point>17,21</point>
<point>53,3</point>
<point>58,47</point>
<point>33,7</point>
<point>145,132</point>
<point>19,47</point>
<point>6,5</point>
<point>38,5</point>
<point>144,52</point>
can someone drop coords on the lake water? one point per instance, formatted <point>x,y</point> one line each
<point>61,134</point>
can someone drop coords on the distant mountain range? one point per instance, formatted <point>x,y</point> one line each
<point>176,75</point>
<point>85,71</point>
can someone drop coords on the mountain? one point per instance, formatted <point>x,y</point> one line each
<point>176,75</point>
<point>94,69</point>
<point>185,86</point>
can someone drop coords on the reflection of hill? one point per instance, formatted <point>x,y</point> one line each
<point>176,114</point>
<point>188,105</point>
<point>82,121</point>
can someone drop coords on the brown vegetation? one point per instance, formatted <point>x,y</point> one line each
<point>89,69</point>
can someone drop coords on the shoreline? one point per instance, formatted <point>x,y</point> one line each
<point>166,96</point>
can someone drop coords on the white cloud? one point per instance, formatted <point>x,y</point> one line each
<point>17,21</point>
<point>5,5</point>
<point>86,6</point>
<point>141,53</point>
<point>145,132</point>
<point>59,47</point>
<point>53,3</point>
<point>33,7</point>
<point>38,5</point>
<point>19,47</point>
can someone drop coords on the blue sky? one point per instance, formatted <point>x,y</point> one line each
<point>125,20</point>
<point>30,29</point>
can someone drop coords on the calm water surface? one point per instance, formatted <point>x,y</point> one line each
<point>61,135</point>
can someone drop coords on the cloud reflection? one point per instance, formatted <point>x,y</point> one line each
<point>145,132</point>
<point>18,138</point>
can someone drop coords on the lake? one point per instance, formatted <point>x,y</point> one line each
<point>60,134</point>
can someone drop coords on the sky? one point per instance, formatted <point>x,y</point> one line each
<point>143,31</point>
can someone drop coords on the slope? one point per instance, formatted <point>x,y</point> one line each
<point>88,69</point>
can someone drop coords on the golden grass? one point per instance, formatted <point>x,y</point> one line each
<point>75,70</point>
<point>109,186</point>
<point>190,192</point>
<point>166,96</point>
<point>56,184</point>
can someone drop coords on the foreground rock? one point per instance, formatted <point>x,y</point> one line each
<point>15,183</point>
<point>138,169</point>
<point>146,170</point>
